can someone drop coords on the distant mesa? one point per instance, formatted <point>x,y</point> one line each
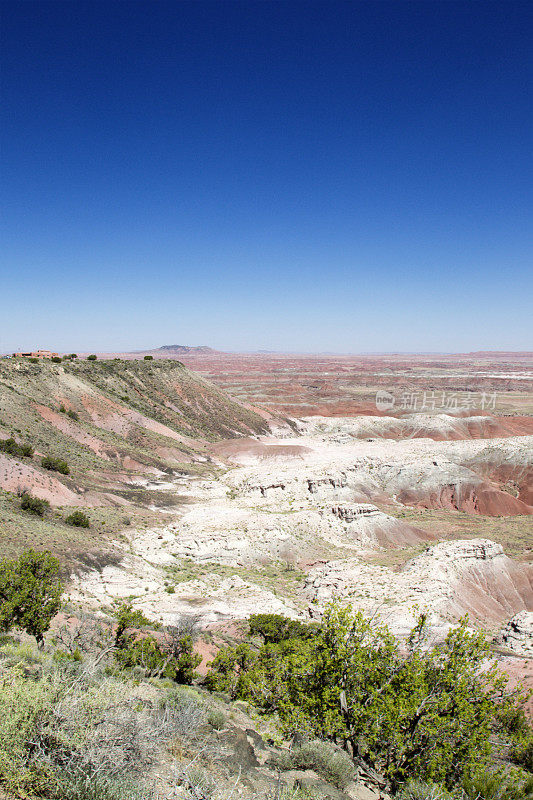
<point>178,349</point>
<point>183,348</point>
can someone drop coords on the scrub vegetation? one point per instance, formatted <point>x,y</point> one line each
<point>89,712</point>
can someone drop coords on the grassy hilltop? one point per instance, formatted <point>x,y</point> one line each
<point>111,423</point>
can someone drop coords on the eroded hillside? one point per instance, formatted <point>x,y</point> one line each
<point>114,423</point>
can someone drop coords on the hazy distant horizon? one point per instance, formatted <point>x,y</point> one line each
<point>370,353</point>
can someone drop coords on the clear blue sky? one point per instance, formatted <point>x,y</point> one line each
<point>294,176</point>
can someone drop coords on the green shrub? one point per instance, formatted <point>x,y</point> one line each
<point>12,447</point>
<point>157,659</point>
<point>15,654</point>
<point>23,704</point>
<point>497,784</point>
<point>92,357</point>
<point>523,754</point>
<point>65,655</point>
<point>148,358</point>
<point>186,711</point>
<point>332,764</point>
<point>34,504</point>
<point>169,656</point>
<point>73,740</point>
<point>199,782</point>
<point>229,670</point>
<point>97,787</point>
<point>275,628</point>
<point>432,713</point>
<point>73,414</point>
<point>78,519</point>
<point>127,617</point>
<point>56,359</point>
<point>102,788</point>
<point>216,718</point>
<point>30,592</point>
<point>34,360</point>
<point>55,464</point>
<point>62,409</point>
<point>141,651</point>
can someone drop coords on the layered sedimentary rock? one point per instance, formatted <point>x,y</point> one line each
<point>212,597</point>
<point>439,427</point>
<point>234,535</point>
<point>416,472</point>
<point>313,501</point>
<point>448,580</point>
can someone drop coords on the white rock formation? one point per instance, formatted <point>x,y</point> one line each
<point>517,635</point>
<point>240,535</point>
<point>431,473</point>
<point>447,581</point>
<point>212,597</point>
<point>315,501</point>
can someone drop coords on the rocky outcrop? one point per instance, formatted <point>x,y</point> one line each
<point>252,758</point>
<point>355,512</point>
<point>517,635</point>
<point>439,427</point>
<point>235,535</point>
<point>211,596</point>
<point>471,496</point>
<point>376,529</point>
<point>416,472</point>
<point>240,536</point>
<point>314,485</point>
<point>477,579</point>
<point>447,580</point>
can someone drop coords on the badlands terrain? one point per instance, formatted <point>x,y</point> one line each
<point>220,499</point>
<point>294,520</point>
<point>344,385</point>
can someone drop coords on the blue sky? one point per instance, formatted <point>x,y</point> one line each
<point>298,176</point>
